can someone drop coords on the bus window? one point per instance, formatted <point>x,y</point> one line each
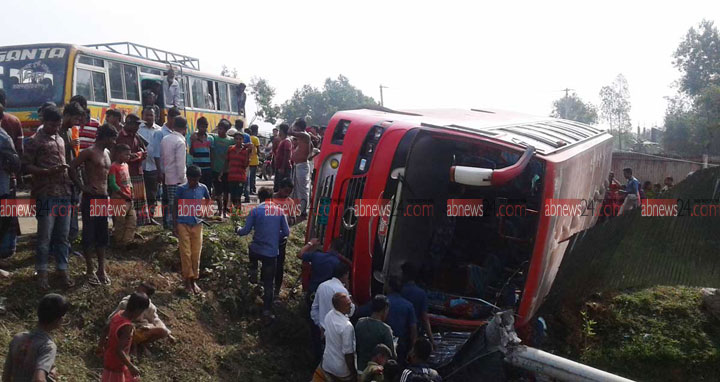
<point>91,84</point>
<point>234,98</point>
<point>210,95</point>
<point>92,61</point>
<point>32,82</point>
<point>151,71</point>
<point>222,96</point>
<point>124,82</point>
<point>198,88</point>
<point>131,83</point>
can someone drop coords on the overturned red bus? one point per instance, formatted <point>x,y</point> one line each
<point>434,158</point>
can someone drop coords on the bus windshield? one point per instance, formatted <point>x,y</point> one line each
<point>33,75</point>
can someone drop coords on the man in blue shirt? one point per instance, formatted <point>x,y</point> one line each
<point>401,318</point>
<point>322,263</point>
<point>631,191</point>
<point>418,298</point>
<point>271,227</point>
<point>188,206</point>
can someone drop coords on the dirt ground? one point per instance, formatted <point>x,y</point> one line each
<point>221,336</point>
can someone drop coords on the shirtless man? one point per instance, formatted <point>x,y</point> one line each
<point>301,165</point>
<point>96,165</point>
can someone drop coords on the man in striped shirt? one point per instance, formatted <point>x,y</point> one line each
<point>200,143</point>
<point>88,131</point>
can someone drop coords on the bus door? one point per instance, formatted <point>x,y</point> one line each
<point>151,79</point>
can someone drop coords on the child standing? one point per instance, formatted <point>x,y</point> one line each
<point>121,190</point>
<point>189,226</point>
<point>32,354</point>
<point>118,334</point>
<point>238,160</point>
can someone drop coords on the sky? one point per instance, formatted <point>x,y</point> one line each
<point>430,54</point>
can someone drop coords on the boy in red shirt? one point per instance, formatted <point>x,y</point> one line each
<point>120,189</point>
<point>237,162</point>
<point>117,366</point>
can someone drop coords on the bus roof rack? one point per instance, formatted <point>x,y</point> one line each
<point>148,53</point>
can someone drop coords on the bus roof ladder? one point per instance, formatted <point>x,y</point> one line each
<point>148,53</point>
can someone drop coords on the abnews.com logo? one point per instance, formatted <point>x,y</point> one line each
<point>465,207</point>
<point>109,207</point>
<point>659,207</point>
<point>414,208</point>
<point>21,208</point>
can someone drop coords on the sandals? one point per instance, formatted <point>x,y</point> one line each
<point>42,280</point>
<point>92,279</point>
<point>105,280</point>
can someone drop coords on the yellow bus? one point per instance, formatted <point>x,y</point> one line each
<point>111,76</point>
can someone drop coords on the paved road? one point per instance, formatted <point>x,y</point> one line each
<point>29,225</point>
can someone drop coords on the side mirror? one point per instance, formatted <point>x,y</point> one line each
<point>479,176</point>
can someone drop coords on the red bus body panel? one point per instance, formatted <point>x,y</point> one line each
<point>573,172</point>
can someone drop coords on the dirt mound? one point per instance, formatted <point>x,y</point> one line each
<point>220,337</point>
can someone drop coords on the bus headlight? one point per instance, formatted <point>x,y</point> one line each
<point>334,163</point>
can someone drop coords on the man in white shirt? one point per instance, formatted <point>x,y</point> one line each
<point>173,155</point>
<point>172,91</point>
<point>166,130</point>
<point>339,357</point>
<point>152,163</point>
<point>322,303</point>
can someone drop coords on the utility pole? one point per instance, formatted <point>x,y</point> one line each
<point>565,103</point>
<point>382,102</point>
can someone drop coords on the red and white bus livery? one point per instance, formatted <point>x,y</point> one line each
<point>416,164</point>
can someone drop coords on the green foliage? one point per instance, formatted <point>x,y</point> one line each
<point>573,108</point>
<point>615,108</point>
<point>263,94</point>
<point>692,121</point>
<point>319,105</point>
<point>698,58</point>
<point>656,334</point>
<point>221,336</point>
<point>693,128</point>
<point>588,324</point>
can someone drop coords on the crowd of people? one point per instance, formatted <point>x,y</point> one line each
<point>620,198</point>
<point>76,164</point>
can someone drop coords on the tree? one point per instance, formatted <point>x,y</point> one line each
<point>573,108</point>
<point>319,105</point>
<point>615,108</point>
<point>692,120</point>
<point>227,72</point>
<point>698,58</point>
<point>263,94</point>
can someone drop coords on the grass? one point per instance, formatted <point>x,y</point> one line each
<point>220,337</point>
<point>655,334</point>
